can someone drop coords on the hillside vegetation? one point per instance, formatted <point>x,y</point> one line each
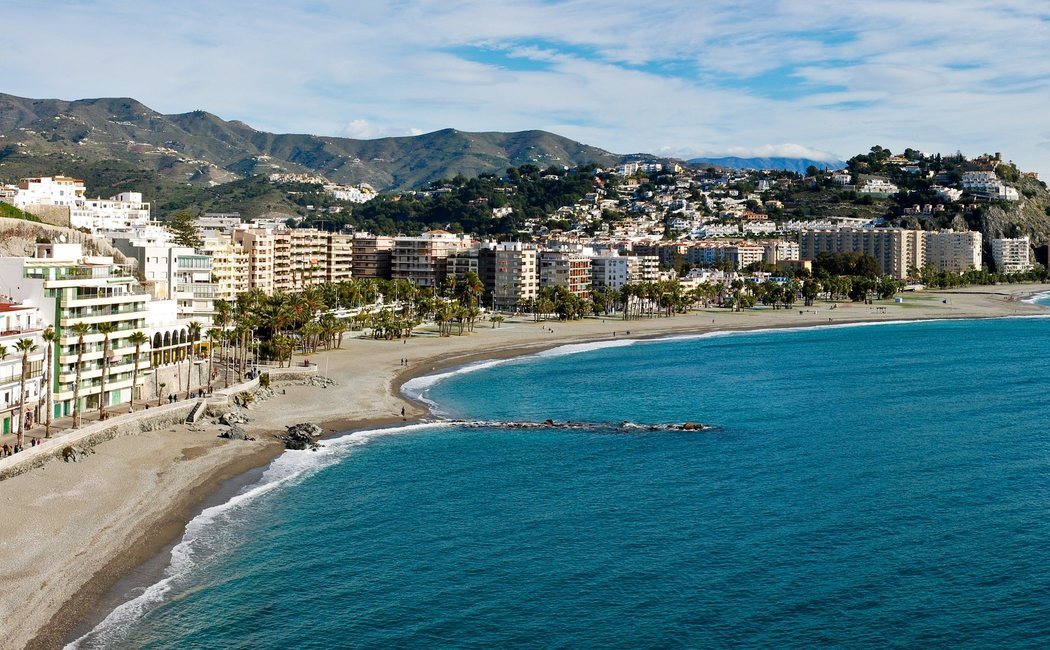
<point>203,149</point>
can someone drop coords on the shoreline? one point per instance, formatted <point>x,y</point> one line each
<point>377,398</point>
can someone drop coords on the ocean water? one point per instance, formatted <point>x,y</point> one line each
<point>861,487</point>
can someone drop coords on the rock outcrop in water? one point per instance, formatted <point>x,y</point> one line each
<point>302,436</point>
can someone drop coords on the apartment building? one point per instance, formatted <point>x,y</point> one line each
<point>510,274</point>
<point>423,260</point>
<point>715,253</point>
<point>956,252</point>
<point>339,257</point>
<point>259,245</point>
<point>372,256</point>
<point>229,266</point>
<point>897,251</point>
<point>1011,255</point>
<point>171,272</point>
<point>566,268</point>
<point>18,322</point>
<point>774,252</point>
<point>63,191</point>
<point>610,271</point>
<point>460,263</point>
<point>613,271</point>
<point>121,213</point>
<point>70,288</point>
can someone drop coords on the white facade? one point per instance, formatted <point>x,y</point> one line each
<point>18,322</point>
<point>122,212</point>
<point>173,273</point>
<point>986,185</point>
<point>70,288</point>
<point>779,251</point>
<point>49,190</point>
<point>362,193</point>
<point>611,271</point>
<point>878,186</point>
<point>1011,255</point>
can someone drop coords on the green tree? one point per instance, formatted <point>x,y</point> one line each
<point>105,329</point>
<point>182,226</point>
<point>50,337</point>
<point>25,346</point>
<point>195,335</point>
<point>81,330</point>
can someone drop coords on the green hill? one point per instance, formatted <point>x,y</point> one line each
<point>203,149</point>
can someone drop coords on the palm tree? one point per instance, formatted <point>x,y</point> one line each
<point>3,352</point>
<point>105,329</point>
<point>195,335</point>
<point>50,337</point>
<point>222,320</point>
<point>137,339</point>
<point>25,346</point>
<point>213,334</point>
<point>81,330</point>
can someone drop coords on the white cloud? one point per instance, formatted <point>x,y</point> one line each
<point>717,76</point>
<point>786,150</point>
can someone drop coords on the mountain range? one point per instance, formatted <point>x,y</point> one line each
<point>202,148</point>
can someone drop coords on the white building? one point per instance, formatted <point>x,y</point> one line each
<point>173,273</point>
<point>18,322</point>
<point>362,193</point>
<point>878,186</point>
<point>779,251</point>
<point>949,194</point>
<point>1011,255</point>
<point>986,185</point>
<point>122,212</point>
<point>49,190</point>
<point>70,288</point>
<point>758,227</point>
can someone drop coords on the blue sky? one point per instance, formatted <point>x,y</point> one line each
<point>682,78</point>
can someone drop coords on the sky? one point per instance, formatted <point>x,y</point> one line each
<point>685,78</point>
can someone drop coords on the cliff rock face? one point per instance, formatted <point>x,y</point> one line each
<point>18,238</point>
<point>1025,217</point>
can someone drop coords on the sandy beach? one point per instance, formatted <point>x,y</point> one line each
<point>71,530</point>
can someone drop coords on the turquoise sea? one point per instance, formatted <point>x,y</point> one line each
<point>864,486</point>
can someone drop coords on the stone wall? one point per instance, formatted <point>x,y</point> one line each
<point>130,424</point>
<point>55,215</point>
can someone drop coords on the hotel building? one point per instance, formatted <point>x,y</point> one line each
<point>70,288</point>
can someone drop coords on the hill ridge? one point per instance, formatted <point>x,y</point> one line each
<point>202,148</point>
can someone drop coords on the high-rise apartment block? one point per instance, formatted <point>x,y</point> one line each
<point>70,288</point>
<point>424,260</point>
<point>896,251</point>
<point>372,255</point>
<point>510,274</point>
<point>953,251</point>
<point>1012,255</point>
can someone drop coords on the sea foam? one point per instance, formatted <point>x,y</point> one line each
<point>214,529</point>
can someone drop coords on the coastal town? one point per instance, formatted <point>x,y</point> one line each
<point>87,331</point>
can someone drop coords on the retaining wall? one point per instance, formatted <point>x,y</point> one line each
<point>156,417</point>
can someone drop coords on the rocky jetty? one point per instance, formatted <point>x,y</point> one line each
<point>622,427</point>
<point>302,436</point>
